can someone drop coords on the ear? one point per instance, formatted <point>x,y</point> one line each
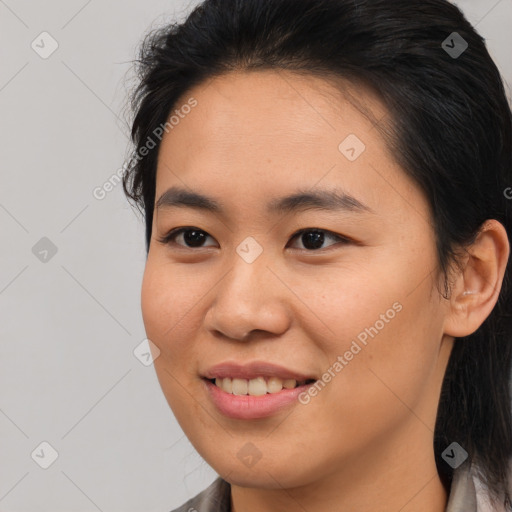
<point>476,288</point>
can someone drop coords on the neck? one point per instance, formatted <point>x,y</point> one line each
<point>403,477</point>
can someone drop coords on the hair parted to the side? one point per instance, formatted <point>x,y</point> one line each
<point>450,130</point>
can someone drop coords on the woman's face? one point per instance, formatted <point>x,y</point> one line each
<point>351,304</point>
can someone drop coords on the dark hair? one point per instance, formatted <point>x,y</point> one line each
<point>450,130</point>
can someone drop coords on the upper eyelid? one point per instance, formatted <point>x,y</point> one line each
<point>327,231</point>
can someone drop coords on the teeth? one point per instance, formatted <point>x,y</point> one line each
<point>255,387</point>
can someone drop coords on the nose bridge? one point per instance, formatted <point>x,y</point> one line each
<point>248,296</point>
<point>246,281</point>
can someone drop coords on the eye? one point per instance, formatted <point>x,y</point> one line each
<point>191,235</point>
<point>311,238</point>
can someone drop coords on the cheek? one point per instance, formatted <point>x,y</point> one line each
<point>166,314</point>
<point>345,304</point>
<point>155,305</point>
<point>384,323</point>
<point>164,304</point>
<point>391,373</point>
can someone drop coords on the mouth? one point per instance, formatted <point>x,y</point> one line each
<point>258,386</point>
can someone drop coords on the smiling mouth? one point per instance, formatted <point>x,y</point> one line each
<point>258,386</point>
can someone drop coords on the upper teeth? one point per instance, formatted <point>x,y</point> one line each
<point>255,387</point>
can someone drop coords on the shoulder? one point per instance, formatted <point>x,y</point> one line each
<point>215,498</point>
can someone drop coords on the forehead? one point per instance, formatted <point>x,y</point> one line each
<point>256,106</point>
<point>251,133</point>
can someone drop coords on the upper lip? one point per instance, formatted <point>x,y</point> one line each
<point>252,370</point>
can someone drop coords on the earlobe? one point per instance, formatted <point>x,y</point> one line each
<point>477,287</point>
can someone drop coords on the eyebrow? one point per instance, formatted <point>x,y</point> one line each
<point>300,200</point>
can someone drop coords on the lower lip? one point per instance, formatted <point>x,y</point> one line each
<point>247,407</point>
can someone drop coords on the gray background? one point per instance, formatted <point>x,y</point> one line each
<point>70,321</point>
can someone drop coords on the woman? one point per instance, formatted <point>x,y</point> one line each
<point>324,185</point>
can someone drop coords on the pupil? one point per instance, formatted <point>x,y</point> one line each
<point>314,238</point>
<point>193,237</point>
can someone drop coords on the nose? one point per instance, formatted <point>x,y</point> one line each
<point>249,298</point>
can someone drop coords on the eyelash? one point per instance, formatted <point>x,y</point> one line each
<point>167,238</point>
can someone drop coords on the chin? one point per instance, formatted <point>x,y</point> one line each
<point>262,475</point>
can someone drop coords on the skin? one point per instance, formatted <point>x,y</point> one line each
<point>365,442</point>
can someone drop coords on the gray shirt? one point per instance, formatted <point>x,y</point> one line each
<point>466,495</point>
